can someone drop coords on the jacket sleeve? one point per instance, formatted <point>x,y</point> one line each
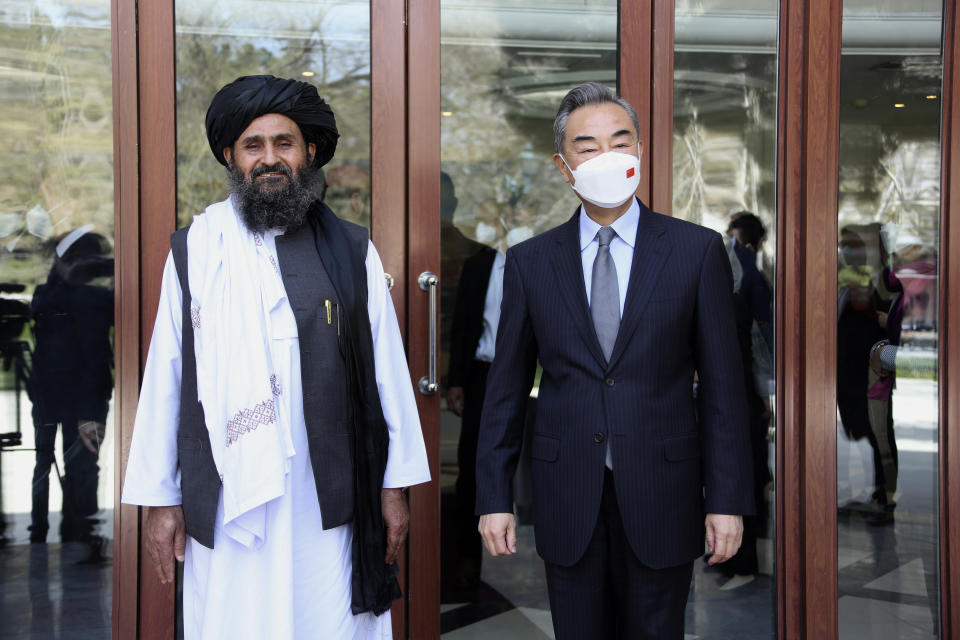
<point>508,387</point>
<point>724,423</point>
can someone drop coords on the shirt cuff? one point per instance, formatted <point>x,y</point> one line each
<point>888,357</point>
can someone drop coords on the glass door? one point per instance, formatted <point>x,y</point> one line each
<point>505,66</point>
<point>887,334</point>
<point>57,428</point>
<point>724,175</point>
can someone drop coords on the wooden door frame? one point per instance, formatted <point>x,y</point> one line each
<point>788,572</point>
<point>807,194</point>
<point>645,48</point>
<point>388,144</point>
<point>123,23</point>
<point>949,319</point>
<point>145,216</point>
<point>423,219</point>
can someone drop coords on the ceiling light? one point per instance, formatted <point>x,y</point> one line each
<point>899,105</point>
<point>932,96</point>
<point>446,114</point>
<point>307,74</point>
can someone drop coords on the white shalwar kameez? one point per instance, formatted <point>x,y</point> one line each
<point>297,585</point>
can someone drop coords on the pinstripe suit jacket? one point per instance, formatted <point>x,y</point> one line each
<point>675,457</point>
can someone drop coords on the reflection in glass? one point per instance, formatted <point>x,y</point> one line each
<point>56,318</point>
<point>505,67</point>
<point>326,43</point>
<point>887,334</point>
<point>724,168</point>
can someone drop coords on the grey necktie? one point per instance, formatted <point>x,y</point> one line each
<point>605,293</point>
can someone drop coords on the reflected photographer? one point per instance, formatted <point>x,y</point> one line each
<point>72,381</point>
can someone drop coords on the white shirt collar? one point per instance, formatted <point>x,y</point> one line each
<point>625,226</point>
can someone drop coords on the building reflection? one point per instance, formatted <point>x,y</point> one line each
<point>56,320</point>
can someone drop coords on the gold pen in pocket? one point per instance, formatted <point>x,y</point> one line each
<point>329,306</point>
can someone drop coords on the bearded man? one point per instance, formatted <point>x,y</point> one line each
<point>277,426</point>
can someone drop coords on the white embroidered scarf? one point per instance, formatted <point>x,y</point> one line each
<point>234,283</point>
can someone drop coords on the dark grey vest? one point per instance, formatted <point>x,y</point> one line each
<point>324,379</point>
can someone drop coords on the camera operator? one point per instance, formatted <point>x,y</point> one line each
<point>72,381</point>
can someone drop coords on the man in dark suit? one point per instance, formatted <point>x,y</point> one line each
<point>624,309</point>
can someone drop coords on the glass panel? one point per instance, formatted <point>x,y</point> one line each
<point>888,226</point>
<point>56,318</point>
<point>505,67</point>
<point>724,171</point>
<point>326,43</point>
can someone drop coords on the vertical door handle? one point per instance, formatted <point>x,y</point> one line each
<point>389,279</point>
<point>429,282</point>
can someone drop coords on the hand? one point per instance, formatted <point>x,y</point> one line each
<point>166,538</point>
<point>455,400</point>
<point>875,363</point>
<point>396,516</point>
<point>499,532</point>
<point>91,434</point>
<point>724,535</point>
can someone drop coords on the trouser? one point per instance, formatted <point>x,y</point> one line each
<point>610,594</point>
<point>883,442</point>
<point>80,479</point>
<point>469,544</point>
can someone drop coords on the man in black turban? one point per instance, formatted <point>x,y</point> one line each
<point>247,98</point>
<point>281,199</point>
<point>282,488</point>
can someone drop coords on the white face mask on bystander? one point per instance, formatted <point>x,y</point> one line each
<point>608,180</point>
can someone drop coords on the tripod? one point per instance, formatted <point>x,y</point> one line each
<point>14,356</point>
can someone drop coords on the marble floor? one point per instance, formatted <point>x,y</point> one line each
<point>888,586</point>
<point>887,579</point>
<point>50,592</point>
<point>887,570</point>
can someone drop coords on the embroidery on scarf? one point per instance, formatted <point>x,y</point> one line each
<point>259,241</point>
<point>195,315</point>
<point>248,420</point>
<point>275,384</point>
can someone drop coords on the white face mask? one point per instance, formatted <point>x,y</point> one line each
<point>607,180</point>
<point>485,233</point>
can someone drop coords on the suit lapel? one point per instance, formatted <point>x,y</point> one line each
<point>650,252</point>
<point>568,264</point>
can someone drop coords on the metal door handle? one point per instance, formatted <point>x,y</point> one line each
<point>429,281</point>
<point>389,279</point>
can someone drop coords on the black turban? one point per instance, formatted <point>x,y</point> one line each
<point>247,98</point>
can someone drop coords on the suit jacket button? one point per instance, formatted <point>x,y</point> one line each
<point>598,437</point>
<point>609,382</point>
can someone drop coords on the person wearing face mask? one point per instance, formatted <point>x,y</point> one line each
<point>622,307</point>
